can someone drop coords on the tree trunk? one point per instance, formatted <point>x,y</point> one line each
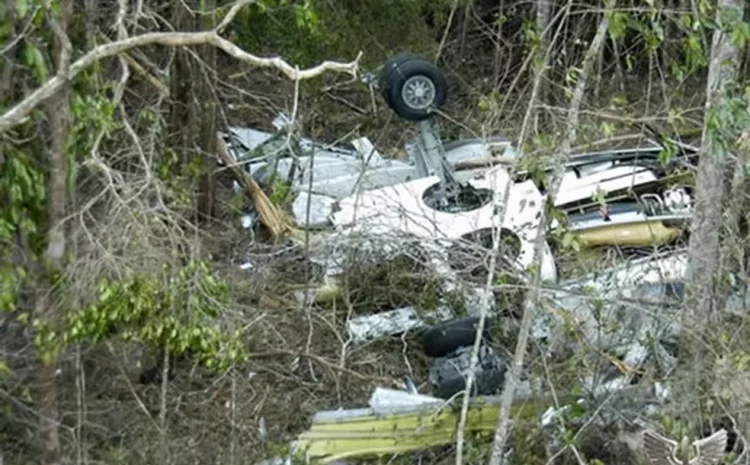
<point>207,134</point>
<point>181,89</point>
<point>193,109</point>
<point>543,15</point>
<point>465,29</point>
<point>92,14</point>
<point>703,297</point>
<point>710,179</point>
<point>58,119</point>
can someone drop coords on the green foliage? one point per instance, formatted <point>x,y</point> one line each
<point>176,172</point>
<point>175,310</point>
<point>23,216</point>
<point>46,340</point>
<point>92,114</point>
<point>533,39</point>
<point>728,117</point>
<point>607,129</point>
<point>24,196</point>
<point>309,31</point>
<point>668,152</point>
<point>4,369</point>
<point>34,59</point>
<point>618,24</point>
<point>491,103</point>
<point>281,191</point>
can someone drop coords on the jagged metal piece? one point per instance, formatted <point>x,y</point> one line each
<point>664,451</point>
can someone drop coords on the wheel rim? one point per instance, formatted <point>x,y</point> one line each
<point>418,92</point>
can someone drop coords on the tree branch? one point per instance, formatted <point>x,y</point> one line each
<point>231,14</point>
<point>20,111</point>
<point>531,302</point>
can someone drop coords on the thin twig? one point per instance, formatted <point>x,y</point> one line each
<point>533,300</point>
<point>446,32</point>
<point>497,225</point>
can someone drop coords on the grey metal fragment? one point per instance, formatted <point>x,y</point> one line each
<point>321,207</point>
<point>250,220</point>
<point>392,322</point>
<point>448,374</point>
<point>384,400</point>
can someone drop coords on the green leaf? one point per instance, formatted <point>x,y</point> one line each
<point>34,59</point>
<point>22,8</point>
<point>618,25</point>
<point>567,239</point>
<point>607,129</point>
<point>577,410</point>
<point>4,369</point>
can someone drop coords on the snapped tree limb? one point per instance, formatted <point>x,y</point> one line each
<point>21,110</point>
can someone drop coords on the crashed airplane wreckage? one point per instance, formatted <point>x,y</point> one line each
<point>447,193</point>
<point>399,422</point>
<point>444,199</point>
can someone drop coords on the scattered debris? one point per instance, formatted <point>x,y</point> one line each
<point>400,422</point>
<point>444,201</point>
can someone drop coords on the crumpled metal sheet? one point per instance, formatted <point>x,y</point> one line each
<point>384,400</point>
<point>338,172</point>
<point>448,374</point>
<point>393,322</point>
<point>402,209</point>
<point>320,206</point>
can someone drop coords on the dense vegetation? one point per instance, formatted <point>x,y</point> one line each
<point>128,333</point>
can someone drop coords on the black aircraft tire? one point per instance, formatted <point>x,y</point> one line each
<point>447,337</point>
<point>416,75</point>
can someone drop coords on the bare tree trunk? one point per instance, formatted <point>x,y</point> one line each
<point>207,123</point>
<point>703,297</point>
<point>193,110</point>
<point>181,88</point>
<point>465,29</point>
<point>513,376</point>
<point>543,15</point>
<point>619,76</point>
<point>710,179</point>
<point>92,12</point>
<point>498,44</point>
<point>59,120</point>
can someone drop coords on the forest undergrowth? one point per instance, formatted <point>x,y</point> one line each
<point>114,404</point>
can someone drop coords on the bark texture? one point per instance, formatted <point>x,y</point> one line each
<point>710,179</point>
<point>59,120</point>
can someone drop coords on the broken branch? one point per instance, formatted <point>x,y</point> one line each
<point>20,111</point>
<point>150,78</point>
<point>267,211</point>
